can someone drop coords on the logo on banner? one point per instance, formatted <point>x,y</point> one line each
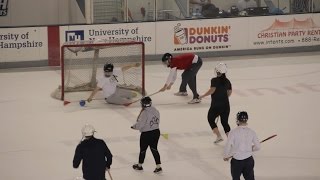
<point>200,35</point>
<point>4,7</point>
<point>289,32</point>
<point>180,35</point>
<point>74,35</point>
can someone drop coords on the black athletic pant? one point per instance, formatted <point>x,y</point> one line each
<point>150,138</point>
<point>189,77</point>
<point>223,112</point>
<point>244,167</point>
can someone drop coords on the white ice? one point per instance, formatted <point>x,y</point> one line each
<point>281,93</point>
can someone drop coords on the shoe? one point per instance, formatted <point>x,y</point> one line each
<point>194,101</point>
<point>158,170</point>
<point>137,167</point>
<point>219,139</point>
<point>181,94</point>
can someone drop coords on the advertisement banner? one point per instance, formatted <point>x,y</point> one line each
<point>202,35</point>
<point>144,32</point>
<point>284,31</point>
<point>23,44</point>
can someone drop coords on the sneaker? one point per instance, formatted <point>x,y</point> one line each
<point>158,170</point>
<point>219,139</point>
<point>181,94</point>
<point>194,101</point>
<point>137,167</point>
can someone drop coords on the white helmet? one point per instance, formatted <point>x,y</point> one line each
<point>221,68</point>
<point>88,130</point>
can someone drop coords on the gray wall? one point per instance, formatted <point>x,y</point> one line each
<point>42,12</point>
<point>59,12</point>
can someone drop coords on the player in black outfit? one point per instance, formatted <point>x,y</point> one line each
<point>220,90</point>
<point>95,155</point>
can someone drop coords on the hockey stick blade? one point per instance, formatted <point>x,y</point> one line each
<point>165,136</point>
<point>66,103</point>
<point>268,138</point>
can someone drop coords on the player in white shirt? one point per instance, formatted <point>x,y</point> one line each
<point>109,85</point>
<point>241,143</point>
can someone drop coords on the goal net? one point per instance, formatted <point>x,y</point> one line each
<point>82,63</point>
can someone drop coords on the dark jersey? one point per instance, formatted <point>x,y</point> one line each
<point>220,95</point>
<point>95,156</point>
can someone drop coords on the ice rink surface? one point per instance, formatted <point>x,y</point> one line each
<point>281,93</point>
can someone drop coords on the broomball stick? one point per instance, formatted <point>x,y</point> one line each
<point>264,140</point>
<point>128,104</point>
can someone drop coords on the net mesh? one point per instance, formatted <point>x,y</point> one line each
<point>82,63</point>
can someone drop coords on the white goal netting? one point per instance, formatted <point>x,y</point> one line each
<point>82,62</point>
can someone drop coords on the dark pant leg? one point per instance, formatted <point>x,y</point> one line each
<point>155,135</point>
<point>212,115</point>
<point>143,147</point>
<point>225,118</point>
<point>236,169</point>
<point>189,77</point>
<point>193,86</point>
<point>185,78</point>
<point>192,82</point>
<point>248,172</point>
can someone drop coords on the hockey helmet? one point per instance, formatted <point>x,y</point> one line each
<point>146,101</point>
<point>242,116</point>
<point>108,67</point>
<point>221,68</point>
<point>88,130</point>
<point>166,57</point>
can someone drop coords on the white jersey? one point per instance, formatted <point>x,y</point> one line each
<point>240,142</point>
<point>109,84</point>
<point>148,120</point>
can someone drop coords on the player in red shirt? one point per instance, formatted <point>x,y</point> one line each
<point>191,64</point>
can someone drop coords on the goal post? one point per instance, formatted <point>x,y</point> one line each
<point>82,63</point>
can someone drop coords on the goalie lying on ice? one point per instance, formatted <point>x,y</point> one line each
<point>109,84</point>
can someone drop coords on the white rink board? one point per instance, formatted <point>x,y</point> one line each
<point>131,31</point>
<point>23,44</point>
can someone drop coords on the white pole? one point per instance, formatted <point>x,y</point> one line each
<point>89,11</point>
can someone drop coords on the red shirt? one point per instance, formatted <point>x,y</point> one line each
<point>183,61</point>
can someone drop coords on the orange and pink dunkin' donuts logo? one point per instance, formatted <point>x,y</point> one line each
<point>200,35</point>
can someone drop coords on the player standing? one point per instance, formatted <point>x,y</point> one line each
<point>148,124</point>
<point>95,155</point>
<point>191,64</point>
<point>220,90</point>
<point>241,143</point>
<point>109,85</point>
